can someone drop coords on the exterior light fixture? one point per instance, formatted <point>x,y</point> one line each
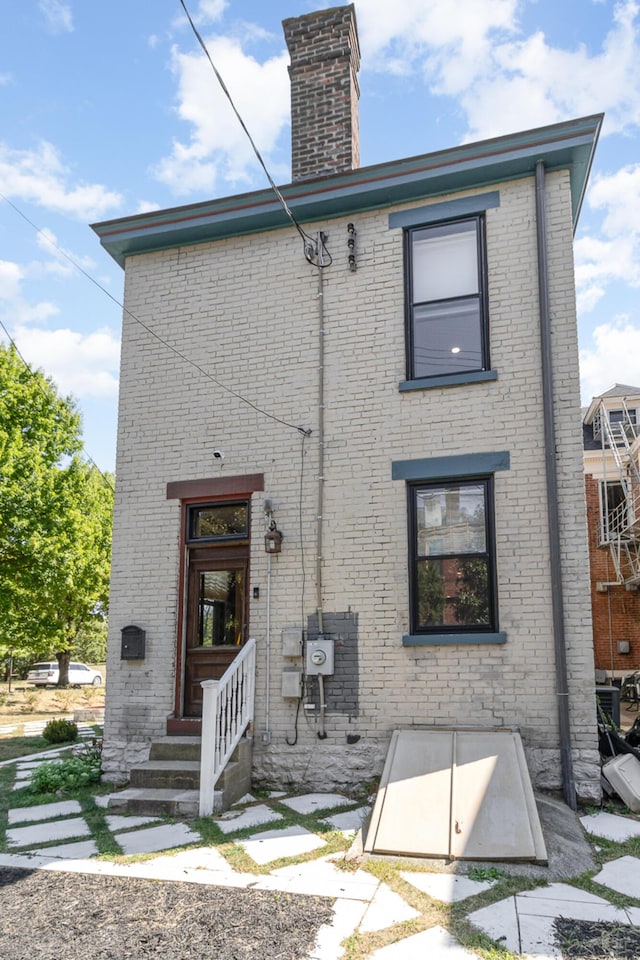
<point>273,539</point>
<point>455,349</point>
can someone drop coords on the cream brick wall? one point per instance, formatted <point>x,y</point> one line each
<point>246,310</point>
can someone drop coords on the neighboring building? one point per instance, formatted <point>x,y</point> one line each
<point>611,433</point>
<point>376,393</point>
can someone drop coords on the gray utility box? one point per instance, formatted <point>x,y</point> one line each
<point>623,773</point>
<point>319,657</point>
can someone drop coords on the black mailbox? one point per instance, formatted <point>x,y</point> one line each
<point>133,641</point>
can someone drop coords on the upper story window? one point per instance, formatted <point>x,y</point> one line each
<point>446,299</point>
<point>218,521</point>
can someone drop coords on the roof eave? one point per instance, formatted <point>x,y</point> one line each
<point>568,145</point>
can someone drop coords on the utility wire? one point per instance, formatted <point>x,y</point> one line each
<point>29,368</point>
<point>310,250</point>
<point>303,430</point>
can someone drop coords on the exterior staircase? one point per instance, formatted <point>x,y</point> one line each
<point>167,784</point>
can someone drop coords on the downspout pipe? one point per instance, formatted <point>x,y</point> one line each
<point>553,513</point>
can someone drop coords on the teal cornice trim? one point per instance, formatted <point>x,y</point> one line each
<point>447,210</point>
<point>451,380</point>
<point>436,468</point>
<point>471,166</point>
<point>450,639</point>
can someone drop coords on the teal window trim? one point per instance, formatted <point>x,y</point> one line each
<point>451,639</point>
<point>442,468</point>
<point>446,210</point>
<point>450,380</point>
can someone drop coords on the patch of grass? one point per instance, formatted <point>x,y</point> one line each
<point>484,874</point>
<point>16,747</point>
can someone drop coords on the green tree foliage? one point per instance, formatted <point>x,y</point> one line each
<point>55,520</point>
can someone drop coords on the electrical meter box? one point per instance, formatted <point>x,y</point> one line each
<point>292,641</point>
<point>319,657</point>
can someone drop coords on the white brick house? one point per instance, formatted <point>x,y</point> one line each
<point>386,414</point>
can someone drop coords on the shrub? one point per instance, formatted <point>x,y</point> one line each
<point>60,731</point>
<point>66,776</point>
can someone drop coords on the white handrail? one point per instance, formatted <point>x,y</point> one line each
<point>227,711</point>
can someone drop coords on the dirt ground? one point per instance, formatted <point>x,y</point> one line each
<point>56,916</point>
<point>27,702</point>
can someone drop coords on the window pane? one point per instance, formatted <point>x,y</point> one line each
<point>220,608</point>
<point>445,262</point>
<point>447,338</point>
<point>453,593</point>
<point>451,520</point>
<point>221,520</point>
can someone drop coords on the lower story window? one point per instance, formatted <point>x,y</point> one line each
<point>452,556</point>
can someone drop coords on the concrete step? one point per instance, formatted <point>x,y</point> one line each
<point>175,748</point>
<point>145,801</point>
<point>166,774</point>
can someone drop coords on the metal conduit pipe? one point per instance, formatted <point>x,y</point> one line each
<point>557,598</point>
<point>321,379</point>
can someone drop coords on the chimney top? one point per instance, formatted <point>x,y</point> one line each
<point>325,59</point>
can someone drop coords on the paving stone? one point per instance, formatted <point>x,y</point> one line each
<point>322,878</point>
<point>275,844</point>
<point>386,909</point>
<point>434,944</point>
<point>310,802</point>
<point>349,821</point>
<point>252,817</point>
<point>156,838</point>
<point>276,794</point>
<point>563,900</point>
<point>347,914</point>
<point>621,875</point>
<point>43,832</point>
<point>45,811</point>
<point>71,851</point>
<point>500,922</point>
<point>248,798</point>
<point>117,822</point>
<point>610,826</point>
<point>24,775</point>
<point>102,800</point>
<point>537,937</point>
<point>445,886</point>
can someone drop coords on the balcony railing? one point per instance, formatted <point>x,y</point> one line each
<point>227,711</point>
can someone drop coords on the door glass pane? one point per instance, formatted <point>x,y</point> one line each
<point>453,592</point>
<point>220,608</point>
<point>445,262</point>
<point>451,520</point>
<point>447,338</point>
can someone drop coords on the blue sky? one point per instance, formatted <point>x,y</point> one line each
<point>110,109</point>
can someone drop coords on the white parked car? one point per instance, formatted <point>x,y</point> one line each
<point>43,674</point>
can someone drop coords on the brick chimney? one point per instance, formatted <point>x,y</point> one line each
<point>325,59</point>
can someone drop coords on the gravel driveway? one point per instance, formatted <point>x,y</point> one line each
<point>59,916</point>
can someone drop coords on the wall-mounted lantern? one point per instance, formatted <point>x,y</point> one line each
<point>273,539</point>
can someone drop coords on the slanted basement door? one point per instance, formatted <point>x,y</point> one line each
<point>459,794</point>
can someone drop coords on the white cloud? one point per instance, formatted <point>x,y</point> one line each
<point>84,365</point>
<point>62,261</point>
<point>39,176</point>
<point>11,276</point>
<point>218,148</point>
<point>57,15</point>
<point>613,358</point>
<point>210,10</point>
<point>16,311</point>
<point>615,255</point>
<point>480,57</point>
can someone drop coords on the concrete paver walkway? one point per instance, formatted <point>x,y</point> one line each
<point>364,905</point>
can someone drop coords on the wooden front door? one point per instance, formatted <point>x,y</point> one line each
<point>216,617</point>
